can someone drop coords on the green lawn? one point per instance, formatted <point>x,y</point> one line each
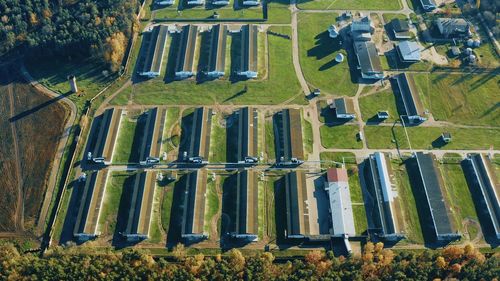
<point>280,86</point>
<point>270,145</point>
<point>111,202</point>
<point>307,136</point>
<point>470,99</point>
<point>53,73</point>
<point>317,55</point>
<point>457,194</point>
<point>166,206</point>
<point>125,138</point>
<point>390,16</point>
<point>155,230</point>
<point>217,141</point>
<point>359,213</point>
<point>407,207</point>
<point>171,134</point>
<point>371,104</point>
<point>339,157</point>
<point>429,137</point>
<point>343,136</point>
<point>211,204</point>
<point>349,4</point>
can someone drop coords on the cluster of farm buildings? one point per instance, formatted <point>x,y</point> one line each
<point>318,205</point>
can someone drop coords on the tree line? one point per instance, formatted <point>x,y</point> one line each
<point>375,263</point>
<point>67,28</point>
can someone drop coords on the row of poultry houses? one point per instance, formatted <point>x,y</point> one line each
<point>185,66</point>
<point>318,206</point>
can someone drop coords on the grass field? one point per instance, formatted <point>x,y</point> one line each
<point>470,99</point>
<point>171,131</point>
<point>53,74</point>
<point>371,104</point>
<point>37,123</point>
<point>429,137</point>
<point>317,56</point>
<point>125,140</point>
<point>340,157</point>
<point>156,233</point>
<point>281,82</point>
<point>110,205</point>
<point>270,145</point>
<point>358,209</point>
<point>218,141</point>
<point>307,136</point>
<point>349,4</point>
<point>457,194</point>
<point>212,205</point>
<point>166,206</point>
<point>343,136</point>
<point>408,207</point>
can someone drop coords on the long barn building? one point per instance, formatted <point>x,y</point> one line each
<point>184,65</point>
<point>155,52</point>
<point>217,52</point>
<point>485,190</point>
<point>288,137</point>
<point>193,202</point>
<point>249,51</point>
<point>102,137</point>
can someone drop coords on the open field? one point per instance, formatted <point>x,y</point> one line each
<point>171,132</point>
<point>457,193</point>
<point>372,103</point>
<point>408,208</point>
<point>31,125</point>
<point>430,137</point>
<point>358,209</point>
<point>317,56</point>
<point>470,99</point>
<point>340,157</point>
<point>212,207</point>
<point>350,4</point>
<point>218,140</point>
<point>130,131</point>
<point>53,73</point>
<point>342,136</point>
<point>281,81</point>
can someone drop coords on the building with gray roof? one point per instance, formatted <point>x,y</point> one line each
<point>410,99</point>
<point>244,205</point>
<point>428,5</point>
<point>217,52</point>
<point>456,28</point>
<point>243,136</point>
<point>485,190</point>
<point>400,29</point>
<point>184,65</point>
<point>141,207</point>
<point>155,52</point>
<point>288,137</point>
<point>89,211</point>
<point>409,51</point>
<point>427,182</point>
<point>194,187</point>
<point>381,217</point>
<point>249,51</point>
<point>344,108</point>
<point>102,137</point>
<point>195,136</point>
<point>368,60</point>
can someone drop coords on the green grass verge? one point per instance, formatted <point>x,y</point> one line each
<point>125,138</point>
<point>171,134</point>
<point>111,202</point>
<point>371,104</point>
<point>307,136</point>
<point>349,4</point>
<point>218,141</point>
<point>469,99</point>
<point>270,146</point>
<point>429,137</point>
<point>458,194</point>
<point>388,17</point>
<point>155,230</point>
<point>407,206</point>
<point>166,206</point>
<point>212,205</point>
<point>328,158</point>
<point>317,55</point>
<point>343,136</point>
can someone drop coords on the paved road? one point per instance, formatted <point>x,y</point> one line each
<point>63,141</point>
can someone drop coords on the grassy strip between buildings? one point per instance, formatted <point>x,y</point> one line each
<point>344,136</point>
<point>349,4</point>
<point>380,137</point>
<point>218,141</point>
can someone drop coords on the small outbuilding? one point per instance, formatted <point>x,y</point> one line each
<point>400,29</point>
<point>344,108</point>
<point>383,114</point>
<point>409,51</point>
<point>446,137</point>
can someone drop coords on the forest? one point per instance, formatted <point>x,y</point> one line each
<point>375,263</point>
<point>67,28</point>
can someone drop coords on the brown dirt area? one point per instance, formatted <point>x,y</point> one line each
<point>36,122</point>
